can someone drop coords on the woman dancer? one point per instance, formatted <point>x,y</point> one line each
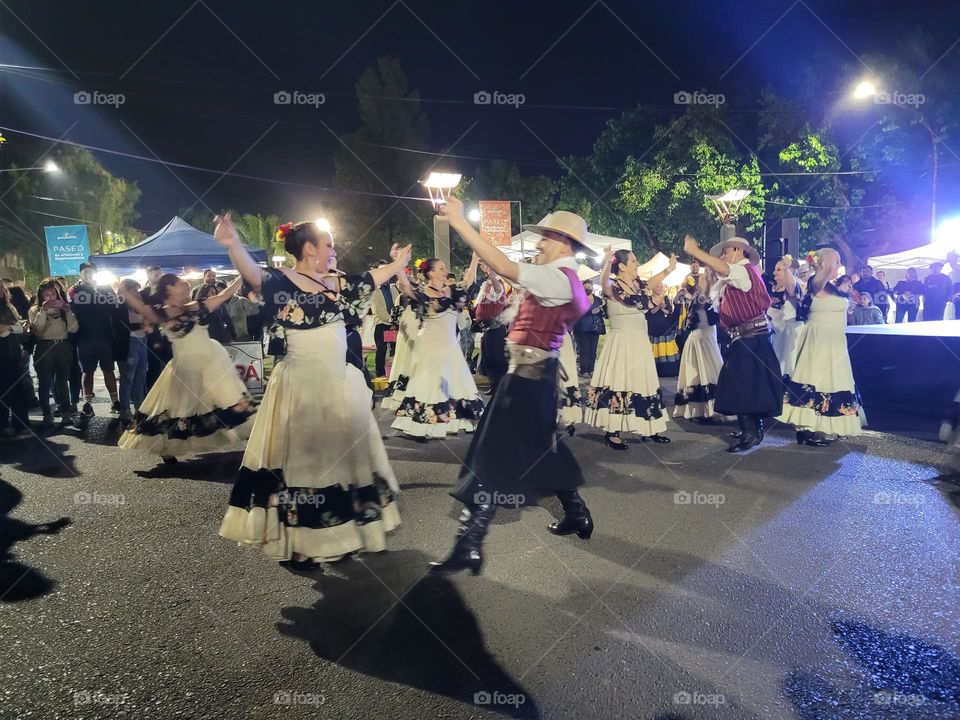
<point>315,483</point>
<point>785,300</point>
<point>441,397</point>
<point>198,403</point>
<point>571,401</point>
<point>624,394</point>
<point>820,395</point>
<point>408,325</point>
<point>662,326</point>
<point>700,361</point>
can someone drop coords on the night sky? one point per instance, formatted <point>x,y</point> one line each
<point>199,77</point>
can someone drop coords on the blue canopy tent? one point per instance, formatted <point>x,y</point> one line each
<point>175,247</point>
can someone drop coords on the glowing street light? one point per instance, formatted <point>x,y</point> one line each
<point>474,215</point>
<point>439,185</point>
<point>323,224</point>
<point>864,90</point>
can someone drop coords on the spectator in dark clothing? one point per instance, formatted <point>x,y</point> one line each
<point>130,350</point>
<point>886,297</point>
<point>159,350</point>
<point>220,326</point>
<point>587,331</point>
<point>907,293</point>
<point>876,289</point>
<point>21,302</point>
<point>94,308</point>
<point>937,290</point>
<point>14,420</point>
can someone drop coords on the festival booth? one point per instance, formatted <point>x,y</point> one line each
<point>180,248</point>
<point>177,247</point>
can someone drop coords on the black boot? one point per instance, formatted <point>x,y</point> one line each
<point>813,439</point>
<point>760,422</point>
<point>466,552</point>
<point>576,516</point>
<point>751,434</point>
<point>740,423</point>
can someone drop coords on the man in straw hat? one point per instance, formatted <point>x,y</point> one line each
<point>750,385</point>
<point>516,454</point>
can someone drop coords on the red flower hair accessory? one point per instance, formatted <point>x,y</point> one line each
<point>284,230</point>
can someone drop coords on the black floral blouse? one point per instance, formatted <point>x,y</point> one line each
<point>640,298</point>
<point>428,306</point>
<point>296,309</point>
<point>181,325</point>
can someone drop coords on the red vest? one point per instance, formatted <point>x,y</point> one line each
<point>544,327</point>
<point>738,307</point>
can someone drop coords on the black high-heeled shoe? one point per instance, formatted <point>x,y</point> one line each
<point>621,445</point>
<point>659,439</point>
<point>813,439</point>
<point>467,551</point>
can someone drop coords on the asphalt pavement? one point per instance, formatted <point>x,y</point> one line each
<point>790,582</point>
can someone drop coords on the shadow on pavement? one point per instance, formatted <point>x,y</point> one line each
<point>18,581</point>
<point>904,677</point>
<point>220,467</point>
<point>39,456</point>
<point>428,640</point>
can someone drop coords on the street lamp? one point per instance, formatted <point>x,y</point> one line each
<point>439,185</point>
<point>727,206</point>
<point>323,224</point>
<point>474,215</point>
<point>866,89</point>
<point>50,167</point>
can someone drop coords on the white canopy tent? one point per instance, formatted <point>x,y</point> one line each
<point>658,263</point>
<point>920,258</point>
<point>524,244</point>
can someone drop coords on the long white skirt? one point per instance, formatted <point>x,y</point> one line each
<point>571,403</point>
<point>402,367</point>
<point>315,478</point>
<point>700,364</point>
<point>441,397</point>
<point>624,393</point>
<point>191,407</point>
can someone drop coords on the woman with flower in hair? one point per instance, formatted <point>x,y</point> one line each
<point>821,399</point>
<point>442,397</point>
<point>198,404</point>
<point>624,393</point>
<point>315,483</point>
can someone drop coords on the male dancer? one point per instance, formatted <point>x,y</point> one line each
<point>515,453</point>
<point>750,385</point>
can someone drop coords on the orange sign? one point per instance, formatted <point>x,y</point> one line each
<point>495,225</point>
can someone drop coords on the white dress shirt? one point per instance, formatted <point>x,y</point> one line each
<point>738,278</point>
<point>547,282</point>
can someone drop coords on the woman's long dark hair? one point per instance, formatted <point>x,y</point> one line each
<point>48,284</point>
<point>166,281</point>
<point>8,313</point>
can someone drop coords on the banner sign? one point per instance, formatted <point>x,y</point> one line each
<point>495,221</point>
<point>248,359</point>
<point>67,247</point>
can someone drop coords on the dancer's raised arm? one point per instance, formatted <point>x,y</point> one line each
<point>401,256</point>
<point>492,256</point>
<point>605,286</point>
<point>213,302</point>
<point>655,282</point>
<point>132,298</point>
<point>226,234</point>
<point>692,248</point>
<point>471,272</point>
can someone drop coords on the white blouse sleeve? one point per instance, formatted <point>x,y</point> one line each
<point>547,283</point>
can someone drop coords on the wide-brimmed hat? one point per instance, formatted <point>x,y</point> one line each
<point>570,225</point>
<point>752,255</point>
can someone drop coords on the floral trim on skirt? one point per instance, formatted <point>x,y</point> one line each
<point>835,404</point>
<point>416,417</point>
<point>696,394</point>
<point>194,426</point>
<point>321,523</point>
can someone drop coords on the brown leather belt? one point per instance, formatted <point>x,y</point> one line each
<point>531,362</point>
<point>751,328</point>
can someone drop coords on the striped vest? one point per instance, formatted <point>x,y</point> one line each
<point>544,327</point>
<point>738,307</point>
